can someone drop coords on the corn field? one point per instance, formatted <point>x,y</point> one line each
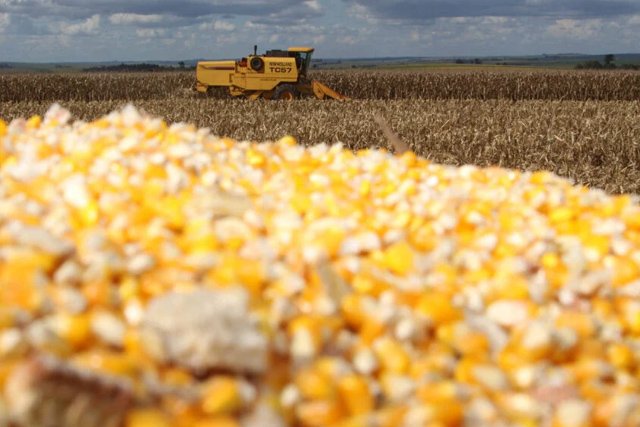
<point>357,84</point>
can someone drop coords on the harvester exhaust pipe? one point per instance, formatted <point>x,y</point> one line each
<point>255,50</point>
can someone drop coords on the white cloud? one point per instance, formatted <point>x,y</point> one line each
<point>88,27</point>
<point>226,40</point>
<point>217,26</point>
<point>362,13</point>
<point>313,4</point>
<point>134,18</point>
<point>274,39</point>
<point>574,29</point>
<point>150,32</point>
<point>4,21</point>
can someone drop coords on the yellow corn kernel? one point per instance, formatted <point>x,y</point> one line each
<point>511,287</point>
<point>594,390</point>
<point>366,285</point>
<point>391,416</point>
<point>319,413</point>
<point>74,329</point>
<point>356,421</point>
<point>3,128</point>
<point>147,418</point>
<point>109,362</point>
<point>464,370</point>
<point>393,358</point>
<point>98,293</point>
<point>331,240</point>
<point>592,347</point>
<point>301,203</point>
<point>632,322</point>
<point>329,367</point>
<point>352,311</point>
<point>438,360</point>
<point>129,288</point>
<point>355,395</point>
<point>471,344</point>
<point>439,308</point>
<point>256,158</point>
<point>177,376</point>
<point>444,413</point>
<point>365,188</point>
<point>437,392</point>
<point>579,322</point>
<point>307,324</point>
<point>7,318</point>
<point>17,293</point>
<point>399,258</point>
<point>132,343</point>
<point>34,122</point>
<point>588,368</point>
<point>313,384</point>
<point>600,244</point>
<point>222,397</point>
<point>371,330</point>
<point>625,270</point>
<point>287,141</point>
<point>560,215</point>
<point>620,356</point>
<point>217,422</point>
<point>6,369</point>
<point>90,214</point>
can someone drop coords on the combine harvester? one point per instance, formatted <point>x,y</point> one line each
<point>279,74</point>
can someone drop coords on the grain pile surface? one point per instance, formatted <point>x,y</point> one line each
<point>155,275</point>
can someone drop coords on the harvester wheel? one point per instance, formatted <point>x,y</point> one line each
<point>256,64</point>
<point>285,93</point>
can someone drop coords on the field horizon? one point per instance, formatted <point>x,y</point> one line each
<point>558,60</point>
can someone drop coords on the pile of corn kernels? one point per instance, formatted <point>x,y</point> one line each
<point>241,284</point>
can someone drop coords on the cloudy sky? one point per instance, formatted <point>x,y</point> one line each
<point>104,30</point>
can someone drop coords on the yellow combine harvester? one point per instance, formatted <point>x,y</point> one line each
<point>279,74</point>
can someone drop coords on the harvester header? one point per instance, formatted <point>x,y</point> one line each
<point>278,74</point>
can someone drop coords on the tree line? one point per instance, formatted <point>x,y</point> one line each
<point>606,64</point>
<point>144,67</point>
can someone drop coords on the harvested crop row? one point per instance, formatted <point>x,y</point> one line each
<point>155,275</point>
<point>515,86</point>
<point>593,143</point>
<point>511,85</point>
<point>95,86</point>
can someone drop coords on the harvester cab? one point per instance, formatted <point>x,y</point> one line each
<point>278,74</point>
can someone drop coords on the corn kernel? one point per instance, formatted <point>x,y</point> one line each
<point>221,397</point>
<point>314,385</point>
<point>399,258</point>
<point>580,322</point>
<point>620,356</point>
<point>320,413</point>
<point>217,422</point>
<point>438,308</point>
<point>34,122</point>
<point>74,329</point>
<point>355,395</point>
<point>147,418</point>
<point>392,356</point>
